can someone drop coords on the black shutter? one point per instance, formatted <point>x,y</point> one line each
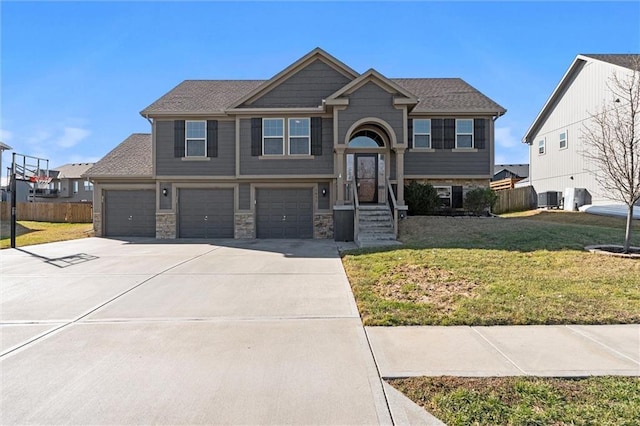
<point>456,197</point>
<point>410,132</point>
<point>316,135</point>
<point>212,138</point>
<point>178,138</point>
<point>256,137</point>
<point>437,133</point>
<point>479,132</point>
<point>449,133</point>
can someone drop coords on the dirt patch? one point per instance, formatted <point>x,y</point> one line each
<point>423,284</point>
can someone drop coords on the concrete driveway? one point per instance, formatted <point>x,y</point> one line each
<point>100,331</point>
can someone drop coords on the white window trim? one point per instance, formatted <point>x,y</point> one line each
<point>274,137</point>
<point>449,188</point>
<point>430,147</point>
<point>566,140</point>
<point>465,134</point>
<point>76,186</point>
<point>542,143</point>
<point>308,136</point>
<point>187,138</point>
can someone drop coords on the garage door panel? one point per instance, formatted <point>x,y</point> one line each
<point>206,213</point>
<point>130,213</point>
<point>284,213</point>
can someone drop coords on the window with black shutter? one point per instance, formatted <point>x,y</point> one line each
<point>178,141</point>
<point>316,136</point>
<point>212,138</point>
<point>456,197</point>
<point>449,133</point>
<point>437,133</point>
<point>256,137</point>
<point>480,132</point>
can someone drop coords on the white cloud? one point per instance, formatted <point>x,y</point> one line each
<point>71,136</point>
<point>505,139</point>
<point>5,135</point>
<point>500,159</point>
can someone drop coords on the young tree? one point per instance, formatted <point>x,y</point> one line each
<point>612,142</point>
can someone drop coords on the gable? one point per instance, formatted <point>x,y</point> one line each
<point>373,78</point>
<point>305,88</point>
<point>581,91</point>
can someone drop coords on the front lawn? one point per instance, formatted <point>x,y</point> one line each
<point>527,400</point>
<point>29,233</point>
<point>489,271</point>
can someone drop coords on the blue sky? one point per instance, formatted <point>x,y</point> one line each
<point>75,75</point>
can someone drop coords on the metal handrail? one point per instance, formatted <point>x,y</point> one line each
<point>394,204</point>
<point>356,211</point>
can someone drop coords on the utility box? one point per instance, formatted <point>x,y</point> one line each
<point>576,197</point>
<point>549,199</point>
<point>343,217</point>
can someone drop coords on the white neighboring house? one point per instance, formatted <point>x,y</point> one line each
<point>555,137</point>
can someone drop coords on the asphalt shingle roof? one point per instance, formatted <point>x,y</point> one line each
<point>447,95</point>
<point>440,95</point>
<point>623,60</point>
<point>72,170</point>
<point>193,96</point>
<point>521,170</point>
<point>132,157</point>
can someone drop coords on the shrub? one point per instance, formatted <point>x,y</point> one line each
<point>421,198</point>
<point>479,200</point>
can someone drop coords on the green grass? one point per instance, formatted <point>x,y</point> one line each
<point>527,400</point>
<point>490,271</point>
<point>30,233</point>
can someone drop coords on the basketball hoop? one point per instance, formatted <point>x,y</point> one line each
<point>41,182</point>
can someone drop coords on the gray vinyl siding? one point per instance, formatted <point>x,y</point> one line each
<point>323,201</point>
<point>307,88</point>
<point>370,101</point>
<point>165,200</point>
<point>445,162</point>
<point>252,165</point>
<point>244,196</point>
<point>168,165</point>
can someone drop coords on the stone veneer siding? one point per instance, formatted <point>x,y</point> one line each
<point>323,225</point>
<point>97,224</point>
<point>466,184</point>
<point>244,225</point>
<point>165,225</point>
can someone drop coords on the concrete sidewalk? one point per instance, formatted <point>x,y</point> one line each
<point>557,351</point>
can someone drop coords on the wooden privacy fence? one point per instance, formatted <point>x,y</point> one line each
<point>49,212</point>
<point>508,183</point>
<point>516,199</point>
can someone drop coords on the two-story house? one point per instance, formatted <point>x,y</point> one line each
<point>68,185</point>
<point>556,150</point>
<point>317,151</point>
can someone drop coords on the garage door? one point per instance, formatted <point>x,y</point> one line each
<point>205,213</point>
<point>284,213</point>
<point>130,213</point>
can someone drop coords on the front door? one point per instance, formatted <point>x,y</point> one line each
<point>366,166</point>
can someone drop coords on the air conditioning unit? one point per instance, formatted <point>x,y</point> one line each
<point>549,199</point>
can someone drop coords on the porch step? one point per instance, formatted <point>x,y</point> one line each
<point>375,226</point>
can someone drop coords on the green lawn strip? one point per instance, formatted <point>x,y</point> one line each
<point>496,271</point>
<point>527,400</point>
<point>30,233</point>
